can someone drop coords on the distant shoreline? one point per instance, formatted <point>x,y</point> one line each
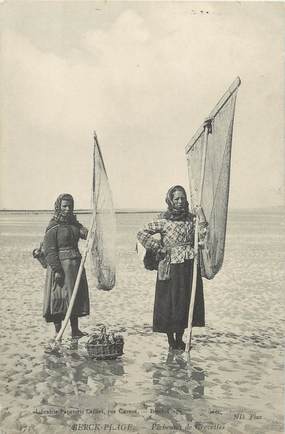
<point>79,211</point>
<point>280,209</point>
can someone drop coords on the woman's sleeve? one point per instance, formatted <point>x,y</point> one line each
<point>51,250</point>
<point>145,236</point>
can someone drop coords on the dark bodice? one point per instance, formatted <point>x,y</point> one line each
<point>61,243</point>
<point>67,236</point>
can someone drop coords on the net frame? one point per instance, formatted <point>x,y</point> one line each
<point>102,251</point>
<point>203,133</point>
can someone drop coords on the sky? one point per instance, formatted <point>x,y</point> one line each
<point>144,75</point>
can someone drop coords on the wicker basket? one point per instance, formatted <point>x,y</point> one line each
<point>105,346</point>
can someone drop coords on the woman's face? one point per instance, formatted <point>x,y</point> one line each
<point>66,207</point>
<point>179,199</point>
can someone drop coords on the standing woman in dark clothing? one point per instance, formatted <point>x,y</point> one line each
<point>175,252</point>
<point>63,258</point>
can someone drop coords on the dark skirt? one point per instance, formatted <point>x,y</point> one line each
<point>56,298</point>
<point>172,300</point>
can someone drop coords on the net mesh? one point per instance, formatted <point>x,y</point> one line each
<point>215,191</point>
<point>104,231</point>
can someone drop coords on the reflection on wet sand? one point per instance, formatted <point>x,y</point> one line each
<point>78,382</point>
<point>67,365</point>
<point>177,383</point>
<point>191,375</point>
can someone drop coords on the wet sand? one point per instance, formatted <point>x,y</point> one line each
<point>232,383</point>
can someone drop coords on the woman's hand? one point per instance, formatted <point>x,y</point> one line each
<point>208,124</point>
<point>161,253</point>
<point>83,232</point>
<point>58,277</point>
<point>198,211</point>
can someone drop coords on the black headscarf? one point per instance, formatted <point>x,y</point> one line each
<point>172,213</point>
<point>58,215</point>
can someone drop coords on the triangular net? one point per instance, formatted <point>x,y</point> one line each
<point>215,190</point>
<point>104,235</point>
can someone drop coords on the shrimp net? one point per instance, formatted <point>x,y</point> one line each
<point>215,187</point>
<point>103,236</point>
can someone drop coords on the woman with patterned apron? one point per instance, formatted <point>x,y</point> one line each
<point>175,253</point>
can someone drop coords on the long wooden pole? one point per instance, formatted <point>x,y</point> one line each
<point>78,278</point>
<point>203,129</point>
<point>87,248</point>
<point>196,240</point>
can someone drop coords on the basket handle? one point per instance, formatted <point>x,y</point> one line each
<point>103,331</point>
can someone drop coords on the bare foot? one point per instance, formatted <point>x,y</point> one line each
<point>78,334</point>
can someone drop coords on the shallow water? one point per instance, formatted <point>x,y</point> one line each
<point>232,383</point>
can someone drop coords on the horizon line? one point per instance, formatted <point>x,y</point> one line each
<point>132,210</point>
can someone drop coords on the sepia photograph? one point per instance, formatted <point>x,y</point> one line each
<point>142,217</point>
